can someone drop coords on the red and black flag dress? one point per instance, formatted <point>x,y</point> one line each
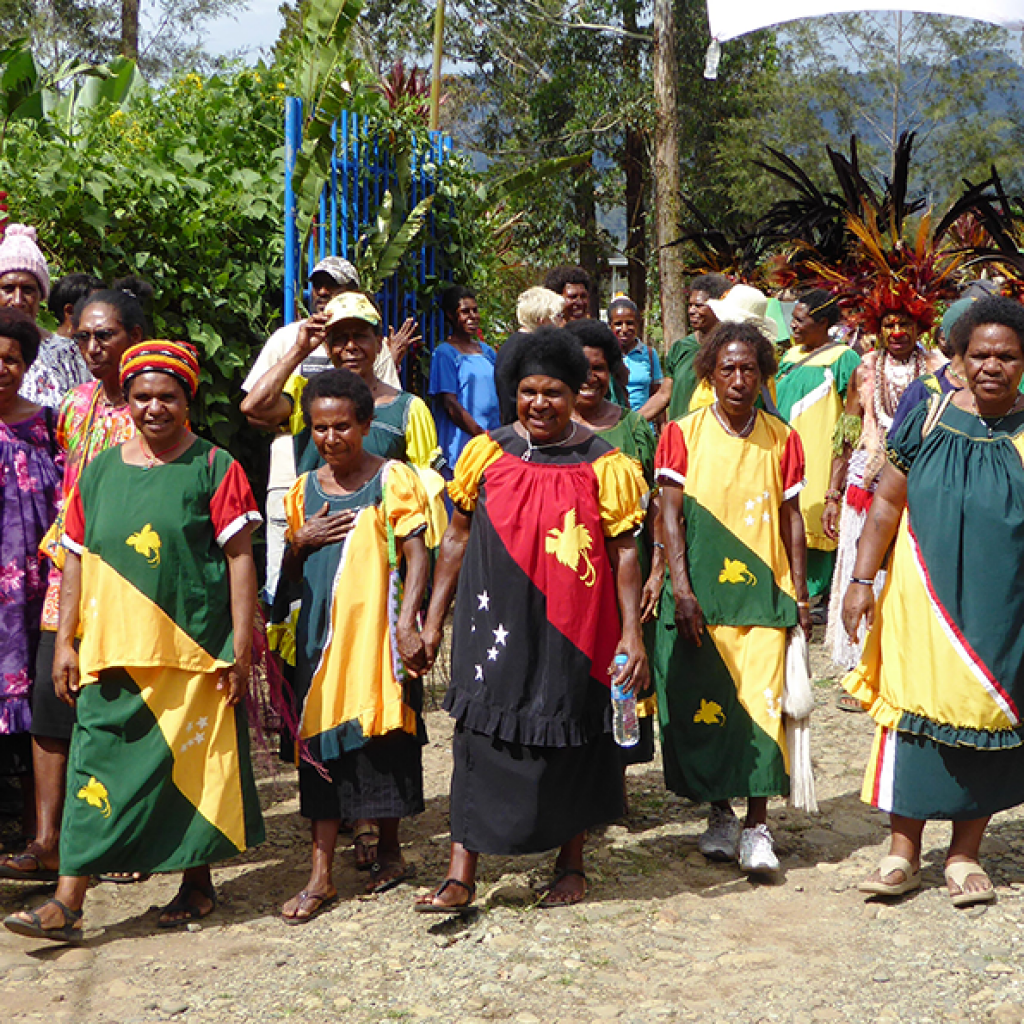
<point>536,627</point>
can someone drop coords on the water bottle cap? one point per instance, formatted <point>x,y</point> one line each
<point>621,659</point>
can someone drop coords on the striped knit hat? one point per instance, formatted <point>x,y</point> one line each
<point>178,359</point>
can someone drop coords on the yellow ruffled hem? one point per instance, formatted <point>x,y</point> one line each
<point>874,703</point>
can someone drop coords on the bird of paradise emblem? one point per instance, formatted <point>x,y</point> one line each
<point>735,571</point>
<point>147,543</point>
<point>94,793</point>
<point>709,713</point>
<point>570,545</point>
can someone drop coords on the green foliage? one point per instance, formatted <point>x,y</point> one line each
<point>183,187</point>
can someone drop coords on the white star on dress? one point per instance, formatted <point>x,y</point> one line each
<point>750,504</point>
<point>766,496</point>
<point>492,654</point>
<point>479,677</point>
<point>500,634</point>
<point>749,520</point>
<point>767,517</point>
<point>203,722</point>
<point>485,601</point>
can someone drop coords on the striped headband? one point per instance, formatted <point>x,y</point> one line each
<point>178,359</point>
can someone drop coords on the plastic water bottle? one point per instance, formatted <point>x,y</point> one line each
<point>625,726</point>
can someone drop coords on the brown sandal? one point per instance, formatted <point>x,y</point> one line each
<point>426,904</point>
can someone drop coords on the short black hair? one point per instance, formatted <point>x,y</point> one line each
<point>714,286</point>
<point>596,334</point>
<point>20,327</point>
<point>554,352</point>
<point>724,333</point>
<point>69,289</point>
<point>450,299</point>
<point>993,310</point>
<point>339,384</point>
<point>821,305</point>
<point>128,308</point>
<point>557,278</point>
<point>137,286</point>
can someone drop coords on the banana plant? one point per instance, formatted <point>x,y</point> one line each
<point>380,250</point>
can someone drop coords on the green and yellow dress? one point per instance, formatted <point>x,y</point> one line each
<point>942,672</point>
<point>359,711</point>
<point>720,703</point>
<point>811,390</point>
<point>679,366</point>
<point>633,436</point>
<point>159,777</point>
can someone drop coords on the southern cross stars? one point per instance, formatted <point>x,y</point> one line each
<point>500,634</point>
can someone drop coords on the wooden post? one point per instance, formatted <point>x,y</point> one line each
<point>435,81</point>
<point>666,175</point>
<point>130,29</point>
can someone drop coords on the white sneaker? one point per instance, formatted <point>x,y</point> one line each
<point>720,840</point>
<point>757,851</point>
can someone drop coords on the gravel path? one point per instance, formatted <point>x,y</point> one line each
<point>664,936</point>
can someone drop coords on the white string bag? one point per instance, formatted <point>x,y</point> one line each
<point>797,705</point>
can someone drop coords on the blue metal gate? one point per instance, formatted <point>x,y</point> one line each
<point>361,172</point>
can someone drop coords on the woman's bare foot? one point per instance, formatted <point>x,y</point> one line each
<point>307,904</point>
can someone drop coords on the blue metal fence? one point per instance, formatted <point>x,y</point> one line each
<point>361,172</point>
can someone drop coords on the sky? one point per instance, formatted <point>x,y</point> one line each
<point>254,29</point>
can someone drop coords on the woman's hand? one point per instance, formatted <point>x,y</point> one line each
<point>635,675</point>
<point>232,682</point>
<point>830,519</point>
<point>431,640</point>
<point>859,603</point>
<point>66,680</point>
<point>689,618</point>
<point>412,650</point>
<point>650,596</point>
<point>322,529</point>
<point>804,618</point>
<point>400,341</point>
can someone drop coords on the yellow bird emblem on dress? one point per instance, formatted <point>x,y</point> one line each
<point>710,713</point>
<point>735,571</point>
<point>94,793</point>
<point>146,542</point>
<point>570,544</point>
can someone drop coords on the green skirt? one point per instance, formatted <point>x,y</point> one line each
<point>159,776</point>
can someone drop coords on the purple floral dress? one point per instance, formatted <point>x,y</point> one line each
<point>30,481</point>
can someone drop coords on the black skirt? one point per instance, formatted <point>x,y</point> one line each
<point>383,779</point>
<point>509,798</point>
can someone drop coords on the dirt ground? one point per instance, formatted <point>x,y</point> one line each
<point>663,937</point>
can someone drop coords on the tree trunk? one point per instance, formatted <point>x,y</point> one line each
<point>590,248</point>
<point>666,175</point>
<point>130,29</point>
<point>634,165</point>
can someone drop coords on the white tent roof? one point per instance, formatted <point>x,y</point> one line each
<point>731,18</point>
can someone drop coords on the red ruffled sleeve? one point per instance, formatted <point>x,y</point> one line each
<point>671,459</point>
<point>793,467</point>
<point>233,506</point>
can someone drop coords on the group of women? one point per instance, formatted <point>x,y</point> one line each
<point>579,552</point>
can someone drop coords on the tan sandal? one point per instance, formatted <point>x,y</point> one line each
<point>957,874</point>
<point>886,866</point>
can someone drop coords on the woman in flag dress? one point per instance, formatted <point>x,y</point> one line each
<point>943,668</point>
<point>541,546</point>
<point>729,476</point>
<point>811,391</point>
<point>159,777</point>
<point>356,530</point>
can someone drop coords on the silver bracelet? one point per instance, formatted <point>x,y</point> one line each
<point>863,583</point>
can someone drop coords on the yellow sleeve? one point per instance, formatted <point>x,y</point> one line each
<point>421,447</point>
<point>475,458</point>
<point>293,388</point>
<point>405,500</point>
<point>295,504</point>
<point>621,491</point>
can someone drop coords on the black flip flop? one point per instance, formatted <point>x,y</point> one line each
<point>375,888</point>
<point>325,902</point>
<point>181,905</point>
<point>34,929</point>
<point>38,874</point>
<point>427,906</point>
<point>546,903</point>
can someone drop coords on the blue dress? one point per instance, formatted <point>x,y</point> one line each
<point>470,378</point>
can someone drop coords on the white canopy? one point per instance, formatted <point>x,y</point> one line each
<point>731,18</point>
